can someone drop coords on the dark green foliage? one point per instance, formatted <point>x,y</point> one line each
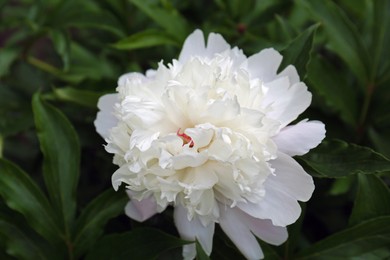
<point>58,57</point>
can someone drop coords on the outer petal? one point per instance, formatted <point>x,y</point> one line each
<point>286,102</point>
<point>215,44</point>
<point>300,138</point>
<point>280,208</point>
<point>236,229</point>
<point>289,184</point>
<point>193,45</point>
<point>105,119</point>
<point>264,230</point>
<point>291,72</point>
<point>264,65</point>
<point>290,178</point>
<point>194,229</point>
<point>141,210</point>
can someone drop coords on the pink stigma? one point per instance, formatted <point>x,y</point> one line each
<point>185,138</point>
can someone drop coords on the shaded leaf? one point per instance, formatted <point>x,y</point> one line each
<point>200,253</point>
<point>335,159</point>
<point>21,194</point>
<point>61,42</point>
<point>380,139</point>
<point>380,36</point>
<point>343,36</point>
<point>90,224</point>
<point>341,186</point>
<point>372,199</point>
<point>8,56</point>
<point>60,147</point>
<point>223,247</point>
<point>335,89</point>
<point>82,97</point>
<point>145,39</point>
<point>20,241</point>
<point>15,111</point>
<point>355,241</point>
<point>172,21</point>
<point>298,51</point>
<point>140,243</point>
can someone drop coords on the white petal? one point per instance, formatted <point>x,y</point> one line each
<point>282,190</point>
<point>280,208</point>
<point>216,44</point>
<point>105,119</point>
<point>235,228</point>
<point>199,177</point>
<point>264,65</point>
<point>194,45</point>
<point>300,138</point>
<point>119,176</point>
<point>263,229</point>
<point>200,137</point>
<point>291,72</point>
<point>290,178</point>
<point>194,229</point>
<point>287,103</point>
<point>133,77</point>
<point>141,210</point>
<point>189,251</point>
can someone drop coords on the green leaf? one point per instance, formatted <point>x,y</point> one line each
<point>200,253</point>
<point>145,39</point>
<point>19,239</point>
<point>223,247</point>
<point>21,194</point>
<point>15,112</point>
<point>61,42</point>
<point>381,36</point>
<point>140,243</point>
<point>90,224</point>
<point>298,51</point>
<point>372,199</point>
<point>335,159</point>
<point>60,147</point>
<point>355,241</point>
<point>380,139</point>
<point>343,36</point>
<point>82,97</point>
<point>341,186</point>
<point>172,21</point>
<point>8,56</point>
<point>334,88</point>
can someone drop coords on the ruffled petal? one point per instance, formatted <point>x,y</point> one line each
<point>194,45</point>
<point>264,65</point>
<point>300,138</point>
<point>105,119</point>
<point>141,210</point>
<point>234,226</point>
<point>193,229</point>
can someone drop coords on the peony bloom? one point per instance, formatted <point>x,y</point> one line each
<point>209,134</point>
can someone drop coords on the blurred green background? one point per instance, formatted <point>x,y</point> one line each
<point>72,52</point>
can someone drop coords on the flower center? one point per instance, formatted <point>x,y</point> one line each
<point>186,139</point>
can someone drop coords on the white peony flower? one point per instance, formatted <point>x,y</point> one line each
<point>209,134</point>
